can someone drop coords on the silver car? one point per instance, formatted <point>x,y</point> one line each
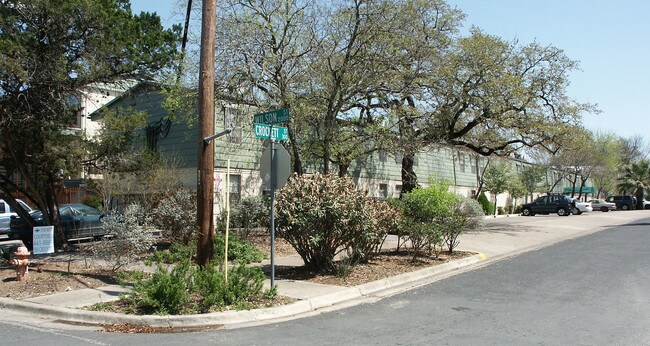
<point>602,205</point>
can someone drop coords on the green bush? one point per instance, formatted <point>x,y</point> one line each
<point>175,253</point>
<point>381,219</point>
<point>239,250</point>
<point>164,292</point>
<point>467,215</point>
<point>175,215</point>
<point>500,211</point>
<point>248,214</point>
<point>425,210</point>
<point>190,289</point>
<point>320,216</point>
<point>488,207</point>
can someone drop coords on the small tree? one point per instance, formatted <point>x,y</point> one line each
<point>531,178</point>
<point>635,179</point>
<point>497,178</point>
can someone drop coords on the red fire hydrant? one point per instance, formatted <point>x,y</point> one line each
<point>21,262</point>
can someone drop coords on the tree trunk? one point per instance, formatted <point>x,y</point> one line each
<point>343,170</point>
<point>409,178</point>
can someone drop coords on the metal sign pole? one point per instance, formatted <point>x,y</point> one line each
<point>273,173</point>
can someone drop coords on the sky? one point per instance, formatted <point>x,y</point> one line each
<point>608,38</point>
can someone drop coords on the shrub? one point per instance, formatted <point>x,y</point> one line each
<point>240,251</point>
<point>175,253</point>
<point>131,234</point>
<point>488,207</point>
<point>425,210</point>
<point>190,289</point>
<point>500,211</point>
<point>467,214</point>
<point>248,214</point>
<point>164,292</point>
<point>320,216</point>
<point>381,219</point>
<point>175,215</point>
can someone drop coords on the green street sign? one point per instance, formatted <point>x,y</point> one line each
<point>279,133</point>
<point>273,117</point>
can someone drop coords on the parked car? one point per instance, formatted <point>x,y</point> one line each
<point>6,213</point>
<point>624,202</point>
<point>553,203</point>
<point>581,207</point>
<point>646,204</point>
<point>602,205</point>
<point>77,220</point>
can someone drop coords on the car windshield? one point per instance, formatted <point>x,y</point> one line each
<point>85,210</point>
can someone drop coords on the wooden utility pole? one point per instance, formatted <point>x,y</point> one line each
<point>205,188</point>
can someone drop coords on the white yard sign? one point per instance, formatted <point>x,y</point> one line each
<point>43,239</point>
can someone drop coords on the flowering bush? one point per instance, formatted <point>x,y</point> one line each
<point>320,216</point>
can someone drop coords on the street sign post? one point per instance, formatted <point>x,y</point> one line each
<point>278,133</point>
<point>263,125</point>
<point>273,117</point>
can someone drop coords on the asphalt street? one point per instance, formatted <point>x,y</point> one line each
<point>591,290</point>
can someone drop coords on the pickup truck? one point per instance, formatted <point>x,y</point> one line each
<point>6,213</point>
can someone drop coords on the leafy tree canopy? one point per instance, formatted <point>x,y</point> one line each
<point>49,51</point>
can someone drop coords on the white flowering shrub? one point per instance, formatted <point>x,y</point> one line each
<point>175,215</point>
<point>132,236</point>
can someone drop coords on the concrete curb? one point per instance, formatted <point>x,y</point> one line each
<point>377,288</point>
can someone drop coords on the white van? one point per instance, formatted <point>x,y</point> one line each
<point>6,213</point>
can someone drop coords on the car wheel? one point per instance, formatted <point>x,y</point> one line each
<point>526,212</point>
<point>576,211</point>
<point>562,212</point>
<point>625,207</point>
<point>604,209</point>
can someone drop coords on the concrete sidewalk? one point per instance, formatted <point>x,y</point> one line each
<point>490,245</point>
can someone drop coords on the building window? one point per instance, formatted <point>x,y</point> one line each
<point>232,118</point>
<point>398,189</point>
<point>472,166</point>
<point>383,191</point>
<point>461,162</point>
<point>398,158</point>
<point>235,188</point>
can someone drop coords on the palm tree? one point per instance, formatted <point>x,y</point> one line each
<point>635,179</point>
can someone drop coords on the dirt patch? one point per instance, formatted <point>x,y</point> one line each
<point>262,241</point>
<point>49,277</point>
<point>386,265</point>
